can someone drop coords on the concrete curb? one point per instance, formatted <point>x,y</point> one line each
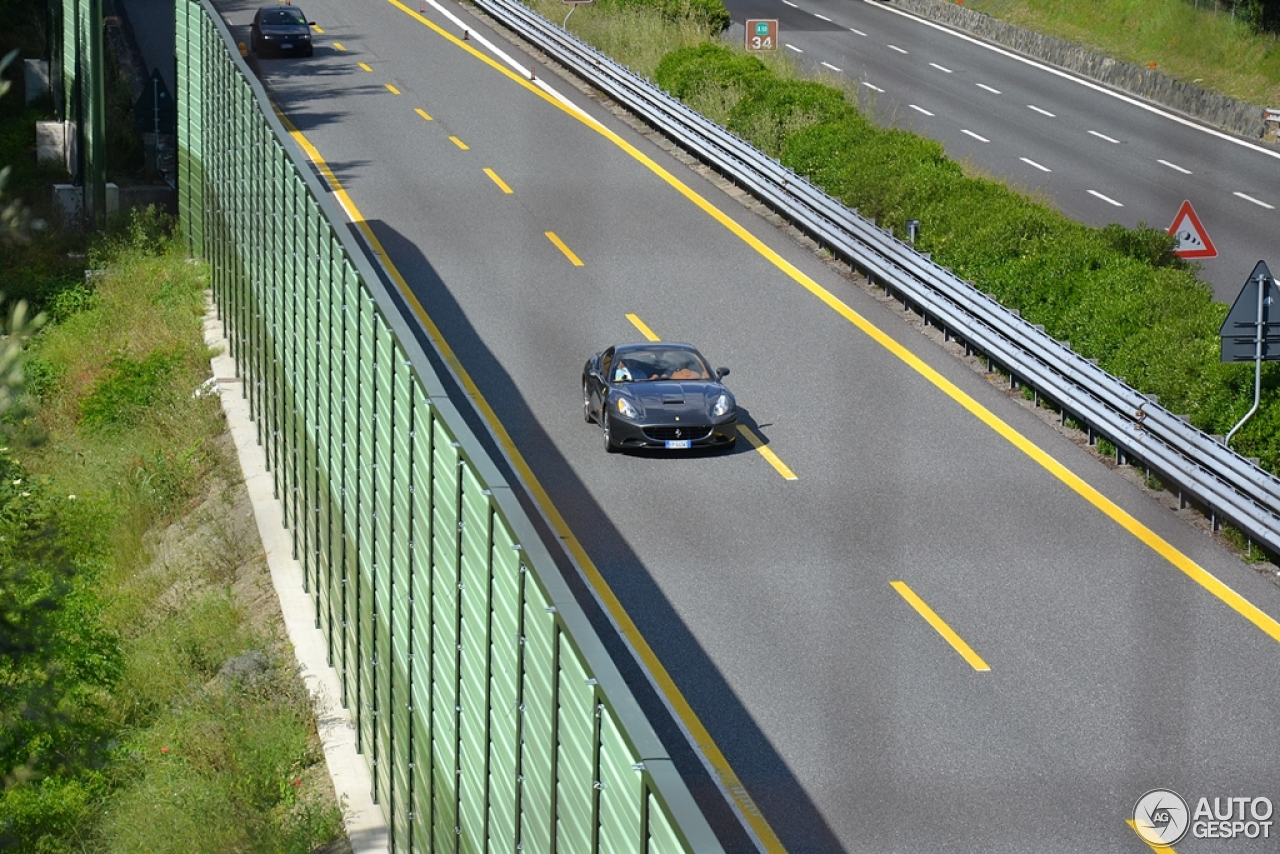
<point>365,825</point>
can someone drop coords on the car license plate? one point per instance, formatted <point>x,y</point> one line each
<point>286,46</point>
<point>677,443</point>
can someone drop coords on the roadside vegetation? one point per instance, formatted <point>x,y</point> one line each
<point>1116,294</point>
<point>1227,47</point>
<point>148,698</point>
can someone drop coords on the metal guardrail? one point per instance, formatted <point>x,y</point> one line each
<point>1221,481</point>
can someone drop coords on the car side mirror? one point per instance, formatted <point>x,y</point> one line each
<point>721,373</point>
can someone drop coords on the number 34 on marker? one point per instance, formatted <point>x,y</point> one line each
<point>762,34</point>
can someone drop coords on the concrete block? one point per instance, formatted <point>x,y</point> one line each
<point>51,142</point>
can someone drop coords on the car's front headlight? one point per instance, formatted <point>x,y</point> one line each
<point>627,409</point>
<point>721,407</point>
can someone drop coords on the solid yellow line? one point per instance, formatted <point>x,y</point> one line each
<point>940,626</point>
<point>764,451</point>
<point>501,184</point>
<point>423,113</point>
<point>644,330</point>
<point>1162,849</point>
<point>365,67</point>
<point>459,143</point>
<point>1148,537</point>
<point>394,90</point>
<point>568,253</point>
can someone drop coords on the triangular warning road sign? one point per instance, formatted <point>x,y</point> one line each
<point>1193,240</point>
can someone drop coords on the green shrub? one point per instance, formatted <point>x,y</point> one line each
<point>710,15</point>
<point>127,389</point>
<point>686,72</point>
<point>72,298</point>
<point>773,110</point>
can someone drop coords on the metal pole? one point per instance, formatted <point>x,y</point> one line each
<point>1257,363</point>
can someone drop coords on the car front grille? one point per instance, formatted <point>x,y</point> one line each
<point>693,432</point>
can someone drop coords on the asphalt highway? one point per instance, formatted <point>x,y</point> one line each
<point>924,620</point>
<point>1096,154</point>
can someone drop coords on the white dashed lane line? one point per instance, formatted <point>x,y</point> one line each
<point>1175,167</point>
<point>857,32</point>
<point>1030,162</point>
<point>830,66</point>
<point>974,135</point>
<point>941,68</point>
<point>1257,202</point>
<point>1106,199</point>
<point>1104,136</point>
<point>895,47</point>
<point>988,88</point>
<point>920,109</point>
<point>1042,112</point>
<point>793,47</point>
<point>822,18</point>
<point>872,87</point>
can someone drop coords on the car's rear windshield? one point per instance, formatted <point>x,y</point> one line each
<point>659,363</point>
<point>283,16</point>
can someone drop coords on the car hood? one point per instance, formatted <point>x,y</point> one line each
<point>671,397</point>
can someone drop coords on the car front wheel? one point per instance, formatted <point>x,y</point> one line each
<point>586,403</point>
<point>609,446</point>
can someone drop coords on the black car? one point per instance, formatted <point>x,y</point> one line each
<point>281,30</point>
<point>658,396</point>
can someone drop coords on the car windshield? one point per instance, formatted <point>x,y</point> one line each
<point>283,16</point>
<point>659,364</point>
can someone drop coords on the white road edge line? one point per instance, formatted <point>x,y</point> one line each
<point>1089,84</point>
<point>1106,199</point>
<point>1257,202</point>
<point>519,67</point>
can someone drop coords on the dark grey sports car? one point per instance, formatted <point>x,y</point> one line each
<point>658,396</point>
<point>281,30</point>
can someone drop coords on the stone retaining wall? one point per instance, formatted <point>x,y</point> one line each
<point>1234,116</point>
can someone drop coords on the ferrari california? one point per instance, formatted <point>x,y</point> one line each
<point>658,395</point>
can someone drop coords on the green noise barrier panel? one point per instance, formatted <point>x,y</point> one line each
<point>490,715</point>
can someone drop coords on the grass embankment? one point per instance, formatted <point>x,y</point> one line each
<point>149,700</point>
<point>1117,295</point>
<point>1186,40</point>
